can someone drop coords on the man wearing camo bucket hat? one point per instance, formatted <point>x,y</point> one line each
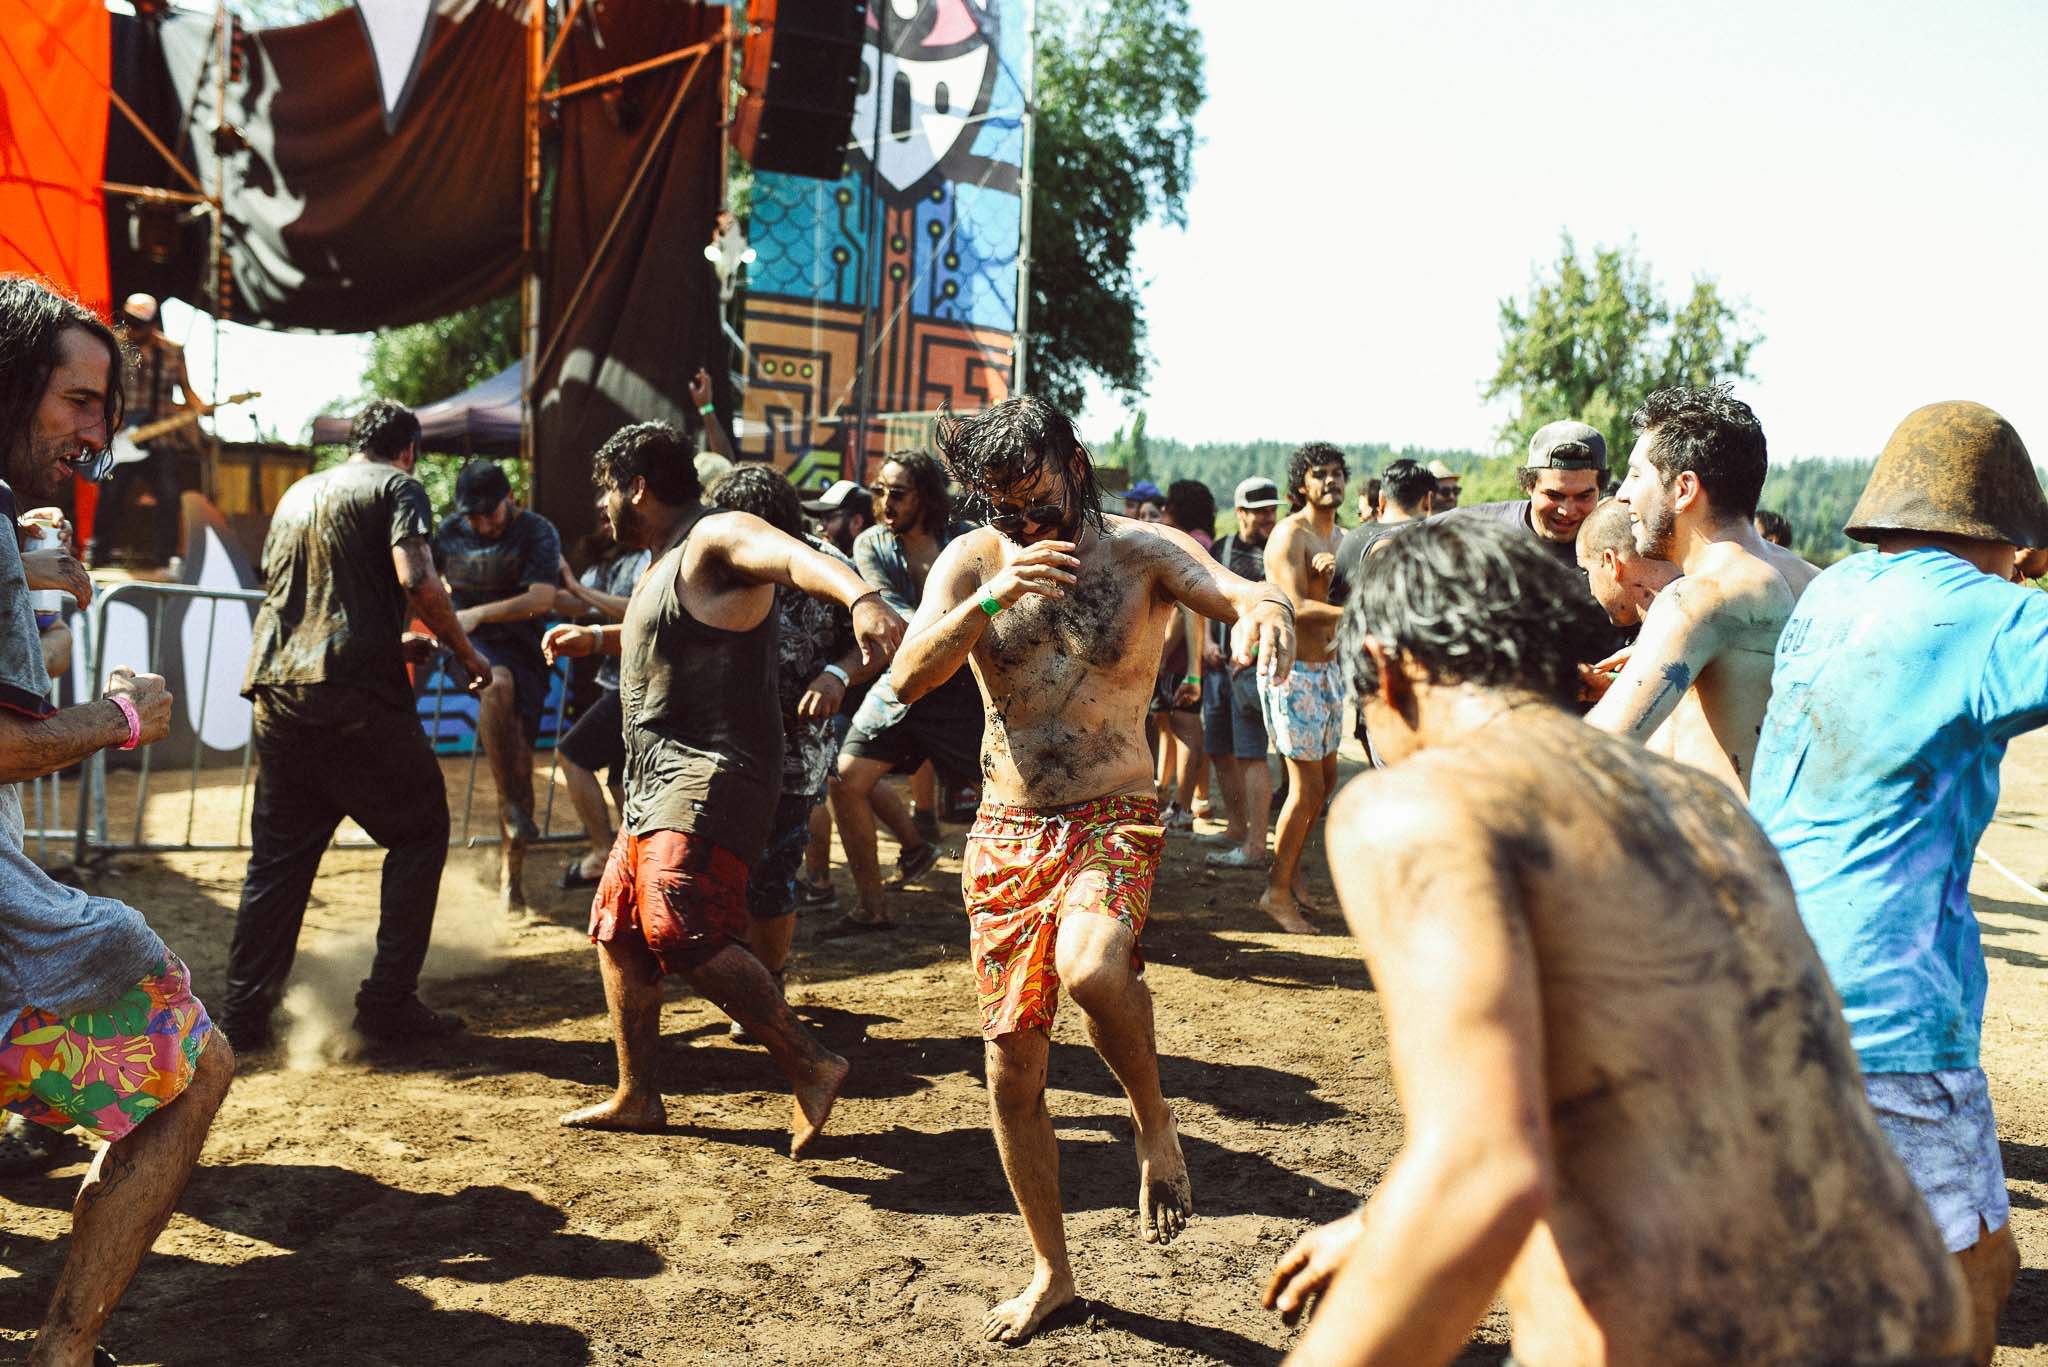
<point>1900,679</point>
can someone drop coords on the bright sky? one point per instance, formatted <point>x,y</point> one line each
<point>297,374</point>
<point>1867,174</point>
<point>1375,177</point>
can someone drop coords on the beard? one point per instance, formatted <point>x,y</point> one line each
<point>628,527</point>
<point>1655,533</point>
<point>37,470</point>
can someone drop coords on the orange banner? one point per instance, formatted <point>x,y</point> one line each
<point>53,142</point>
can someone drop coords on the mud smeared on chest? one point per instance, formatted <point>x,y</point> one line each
<point>1089,626</point>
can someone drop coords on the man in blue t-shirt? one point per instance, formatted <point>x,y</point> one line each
<point>1900,678</point>
<point>502,562</point>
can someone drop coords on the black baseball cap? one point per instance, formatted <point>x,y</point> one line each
<point>843,496</point>
<point>481,487</point>
<point>1567,445</point>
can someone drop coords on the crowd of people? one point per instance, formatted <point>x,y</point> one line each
<point>1660,866</point>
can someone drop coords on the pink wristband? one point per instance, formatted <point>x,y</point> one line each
<point>134,720</point>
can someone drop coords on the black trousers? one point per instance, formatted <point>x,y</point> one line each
<point>158,473</point>
<point>323,752</point>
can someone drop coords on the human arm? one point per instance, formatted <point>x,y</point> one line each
<point>1262,617</point>
<point>1187,690</point>
<point>952,617</point>
<point>1448,942</point>
<point>715,438</point>
<point>428,598</point>
<point>575,597</point>
<point>576,640</point>
<point>1679,638</point>
<point>760,554</point>
<point>872,561</point>
<point>1292,569</point>
<point>59,570</point>
<point>31,747</point>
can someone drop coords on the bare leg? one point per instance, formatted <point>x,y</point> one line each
<point>588,796</point>
<point>1166,757</point>
<point>770,940</point>
<point>854,810</point>
<point>1187,729</point>
<point>1230,778</point>
<point>734,981</point>
<point>511,761</point>
<point>894,816</point>
<point>1989,1267</point>
<point>818,854</point>
<point>127,1197</point>
<point>1093,955</point>
<point>632,995</point>
<point>1031,1161</point>
<point>1257,785</point>
<point>924,791</point>
<point>1282,899</point>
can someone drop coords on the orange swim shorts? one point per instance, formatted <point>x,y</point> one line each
<point>679,894</point>
<point>1024,869</point>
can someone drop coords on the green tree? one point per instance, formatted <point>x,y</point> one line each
<point>1118,87</point>
<point>1592,340</point>
<point>427,361</point>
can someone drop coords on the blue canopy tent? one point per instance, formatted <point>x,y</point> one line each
<point>482,420</point>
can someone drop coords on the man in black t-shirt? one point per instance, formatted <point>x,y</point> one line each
<point>502,563</point>
<point>1233,720</point>
<point>345,566</point>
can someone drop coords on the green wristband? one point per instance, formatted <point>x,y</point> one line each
<point>707,409</point>
<point>990,606</point>
<point>1191,678</point>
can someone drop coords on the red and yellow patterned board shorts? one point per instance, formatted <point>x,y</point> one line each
<point>684,897</point>
<point>1024,869</point>
<point>105,1070</point>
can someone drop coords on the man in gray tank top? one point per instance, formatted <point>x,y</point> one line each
<point>703,772</point>
<point>1062,614</point>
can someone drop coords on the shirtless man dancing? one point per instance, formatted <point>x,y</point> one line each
<point>1062,613</point>
<point>1305,710</point>
<point>1698,678</point>
<point>1630,1102</point>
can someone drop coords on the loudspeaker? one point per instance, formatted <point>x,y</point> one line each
<point>800,71</point>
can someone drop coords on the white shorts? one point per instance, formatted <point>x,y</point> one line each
<point>1305,711</point>
<point>1942,1127</point>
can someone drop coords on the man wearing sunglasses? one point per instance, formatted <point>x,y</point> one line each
<point>1061,614</point>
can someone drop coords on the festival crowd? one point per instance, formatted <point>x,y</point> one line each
<point>1659,866</point>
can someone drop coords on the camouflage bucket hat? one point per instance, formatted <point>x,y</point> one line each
<point>1955,468</point>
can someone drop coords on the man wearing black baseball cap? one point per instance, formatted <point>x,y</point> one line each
<point>1563,477</point>
<point>502,562</point>
<point>843,511</point>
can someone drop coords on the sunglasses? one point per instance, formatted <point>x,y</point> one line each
<point>1005,517</point>
<point>884,492</point>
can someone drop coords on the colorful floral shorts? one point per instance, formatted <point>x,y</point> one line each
<point>1024,869</point>
<point>106,1069</point>
<point>1305,710</point>
<point>684,897</point>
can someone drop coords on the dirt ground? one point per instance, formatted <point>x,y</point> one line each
<point>420,1206</point>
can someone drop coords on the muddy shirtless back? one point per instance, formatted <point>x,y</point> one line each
<point>1722,1193</point>
<point>1068,679</point>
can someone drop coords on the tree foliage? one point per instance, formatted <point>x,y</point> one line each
<point>1592,340</point>
<point>1118,87</point>
<point>427,361</point>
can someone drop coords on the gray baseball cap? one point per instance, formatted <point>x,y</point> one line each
<point>1567,445</point>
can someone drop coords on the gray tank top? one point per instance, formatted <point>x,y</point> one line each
<point>703,731</point>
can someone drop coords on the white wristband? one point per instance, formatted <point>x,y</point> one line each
<point>836,672</point>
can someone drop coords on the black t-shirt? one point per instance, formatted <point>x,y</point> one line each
<point>1352,550</point>
<point>1245,561</point>
<point>480,571</point>
<point>333,609</point>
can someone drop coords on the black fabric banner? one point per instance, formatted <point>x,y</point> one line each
<point>333,223</point>
<point>649,317</point>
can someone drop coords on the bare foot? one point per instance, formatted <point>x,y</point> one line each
<point>813,1103</point>
<point>1014,1320</point>
<point>1166,1199</point>
<point>1310,904</point>
<point>618,1113</point>
<point>1284,912</point>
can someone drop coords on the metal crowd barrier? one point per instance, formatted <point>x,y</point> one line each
<point>94,833</point>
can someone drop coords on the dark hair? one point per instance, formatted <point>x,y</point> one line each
<point>1713,434</point>
<point>383,430</point>
<point>33,321</point>
<point>1526,477</point>
<point>928,478</point>
<point>1191,505</point>
<point>1372,492</point>
<point>1607,528</point>
<point>752,487</point>
<point>1773,527</point>
<point>1307,457</point>
<point>654,451</point>
<point>1006,444</point>
<point>1409,485</point>
<point>1472,601</point>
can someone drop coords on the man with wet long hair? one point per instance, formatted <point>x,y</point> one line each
<point>1061,613</point>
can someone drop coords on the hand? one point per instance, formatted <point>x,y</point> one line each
<point>569,579</point>
<point>1212,654</point>
<point>877,627</point>
<point>1322,564</point>
<point>417,647</point>
<point>1046,567</point>
<point>477,667</point>
<point>1596,678</point>
<point>67,535</point>
<point>469,619</point>
<point>58,570</point>
<point>1187,694</point>
<point>151,700</point>
<point>569,641</point>
<point>1265,637</point>
<point>2031,564</point>
<point>700,388</point>
<point>822,698</point>
<point>1304,1270</point>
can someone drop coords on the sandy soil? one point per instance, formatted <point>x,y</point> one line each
<point>420,1206</point>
